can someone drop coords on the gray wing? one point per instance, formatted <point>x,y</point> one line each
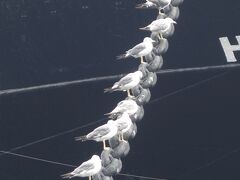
<point>99,132</point>
<point>160,3</point>
<point>136,49</point>
<point>125,80</point>
<point>161,24</point>
<point>121,103</point>
<point>125,105</point>
<point>154,1</point>
<point>84,167</point>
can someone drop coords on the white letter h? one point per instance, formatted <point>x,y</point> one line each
<point>229,49</point>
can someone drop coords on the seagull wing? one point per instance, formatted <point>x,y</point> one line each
<point>160,24</point>
<point>136,50</point>
<point>160,3</point>
<point>125,80</point>
<point>86,166</point>
<point>146,5</point>
<point>99,132</point>
<point>121,103</point>
<point>126,104</point>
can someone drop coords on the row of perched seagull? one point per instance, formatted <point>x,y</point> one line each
<point>127,107</point>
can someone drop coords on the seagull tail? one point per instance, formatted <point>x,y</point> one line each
<point>112,115</point>
<point>108,114</point>
<point>108,90</point>
<point>122,56</point>
<point>145,28</point>
<point>67,176</point>
<point>81,138</point>
<point>115,87</point>
<point>140,6</point>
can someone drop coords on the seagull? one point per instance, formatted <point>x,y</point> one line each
<point>126,83</point>
<point>128,105</point>
<point>162,4</point>
<point>124,123</point>
<point>86,169</point>
<point>159,26</point>
<point>156,4</point>
<point>102,133</point>
<point>140,50</point>
<point>147,4</point>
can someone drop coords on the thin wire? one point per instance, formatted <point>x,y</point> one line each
<point>188,87</point>
<point>205,68</point>
<point>37,159</point>
<point>58,85</point>
<point>54,136</point>
<point>210,163</point>
<point>69,165</point>
<point>143,177</point>
<point>112,77</point>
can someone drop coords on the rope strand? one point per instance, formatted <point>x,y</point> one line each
<point>188,87</point>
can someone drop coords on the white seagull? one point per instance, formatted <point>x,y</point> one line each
<point>162,4</point>
<point>129,106</point>
<point>156,4</point>
<point>147,4</point>
<point>159,26</point>
<point>126,83</point>
<point>86,169</point>
<point>140,50</point>
<point>124,123</point>
<point>102,133</point>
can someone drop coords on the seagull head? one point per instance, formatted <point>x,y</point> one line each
<point>139,74</point>
<point>148,40</point>
<point>170,20</point>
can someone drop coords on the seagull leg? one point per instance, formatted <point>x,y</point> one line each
<point>104,144</point>
<point>131,93</point>
<point>128,93</point>
<point>119,137</point>
<point>142,60</point>
<point>122,136</point>
<point>90,178</point>
<point>160,36</point>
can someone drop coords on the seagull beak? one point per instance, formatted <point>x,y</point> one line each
<point>174,22</point>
